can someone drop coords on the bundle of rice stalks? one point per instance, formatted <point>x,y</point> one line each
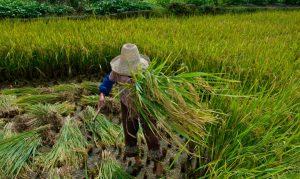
<point>112,105</point>
<point>110,168</point>
<point>65,88</point>
<point>174,100</point>
<point>16,151</point>
<point>89,100</point>
<point>69,150</point>
<point>2,123</point>
<point>8,130</point>
<point>23,123</point>
<point>49,114</point>
<point>22,91</point>
<point>41,110</point>
<point>35,99</point>
<point>7,106</point>
<point>103,130</point>
<point>90,87</point>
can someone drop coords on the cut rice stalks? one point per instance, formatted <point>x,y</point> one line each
<point>90,87</point>
<point>103,130</point>
<point>7,106</point>
<point>69,150</point>
<point>35,99</point>
<point>110,168</point>
<point>15,152</point>
<point>41,110</point>
<point>89,100</point>
<point>174,100</point>
<point>112,105</point>
<point>8,131</point>
<point>72,88</point>
<point>22,91</point>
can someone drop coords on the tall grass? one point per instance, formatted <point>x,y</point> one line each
<point>251,47</point>
<point>259,138</point>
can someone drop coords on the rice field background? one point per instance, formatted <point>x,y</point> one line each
<point>257,134</point>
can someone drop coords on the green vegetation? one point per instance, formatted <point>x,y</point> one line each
<point>110,168</point>
<point>15,151</point>
<point>104,131</point>
<point>170,97</point>
<point>255,135</point>
<point>69,150</point>
<point>40,8</point>
<point>30,8</point>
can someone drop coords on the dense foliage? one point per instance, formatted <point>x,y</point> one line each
<point>30,8</point>
<point>37,8</point>
<point>116,6</point>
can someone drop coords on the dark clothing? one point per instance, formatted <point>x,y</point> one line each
<point>131,127</point>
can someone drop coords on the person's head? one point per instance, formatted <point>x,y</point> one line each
<point>130,61</point>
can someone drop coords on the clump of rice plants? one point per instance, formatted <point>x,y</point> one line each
<point>7,106</point>
<point>69,149</point>
<point>15,152</point>
<point>41,110</point>
<point>110,168</point>
<point>22,91</point>
<point>89,100</point>
<point>65,88</point>
<point>103,130</point>
<point>90,87</point>
<point>35,99</point>
<point>112,105</point>
<point>8,130</point>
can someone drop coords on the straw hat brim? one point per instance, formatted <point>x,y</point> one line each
<point>121,68</point>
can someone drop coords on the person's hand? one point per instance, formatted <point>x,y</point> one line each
<point>101,101</point>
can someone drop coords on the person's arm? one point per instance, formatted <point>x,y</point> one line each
<point>104,90</point>
<point>106,86</point>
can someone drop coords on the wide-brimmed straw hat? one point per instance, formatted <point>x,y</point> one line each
<point>130,61</point>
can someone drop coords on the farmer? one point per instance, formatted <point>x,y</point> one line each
<point>123,66</point>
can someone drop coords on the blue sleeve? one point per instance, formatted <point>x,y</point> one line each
<point>106,86</point>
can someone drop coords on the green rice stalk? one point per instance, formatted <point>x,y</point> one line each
<point>89,100</point>
<point>69,150</point>
<point>110,168</point>
<point>2,123</point>
<point>22,91</point>
<point>35,99</point>
<point>91,87</point>
<point>41,110</point>
<point>65,88</point>
<point>8,130</point>
<point>174,100</point>
<point>6,102</point>
<point>16,151</point>
<point>105,131</point>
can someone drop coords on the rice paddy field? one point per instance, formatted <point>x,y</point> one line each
<point>48,131</point>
